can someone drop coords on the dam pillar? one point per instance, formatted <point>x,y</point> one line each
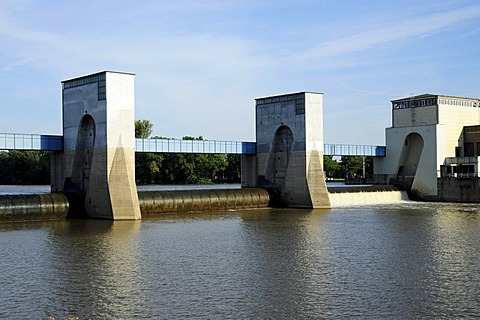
<point>97,166</point>
<point>289,160</point>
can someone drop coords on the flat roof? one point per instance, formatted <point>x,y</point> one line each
<point>96,74</point>
<point>429,95</point>
<point>288,94</point>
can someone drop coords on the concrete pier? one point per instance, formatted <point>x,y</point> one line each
<point>289,158</point>
<point>97,164</point>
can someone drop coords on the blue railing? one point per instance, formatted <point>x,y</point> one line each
<point>354,150</point>
<point>194,146</point>
<point>17,141</point>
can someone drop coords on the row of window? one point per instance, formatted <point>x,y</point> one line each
<point>284,98</point>
<point>460,103</point>
<point>414,103</point>
<point>83,81</point>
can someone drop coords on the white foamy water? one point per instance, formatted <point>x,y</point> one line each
<point>347,199</point>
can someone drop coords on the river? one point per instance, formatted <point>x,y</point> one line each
<point>403,260</point>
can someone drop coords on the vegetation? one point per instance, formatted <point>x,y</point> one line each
<point>143,129</point>
<point>25,167</point>
<point>349,167</point>
<point>168,168</point>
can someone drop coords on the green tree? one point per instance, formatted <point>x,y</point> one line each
<point>25,167</point>
<point>143,129</point>
<point>353,166</point>
<point>232,169</point>
<point>170,168</point>
<point>332,168</point>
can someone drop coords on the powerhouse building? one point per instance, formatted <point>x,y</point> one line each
<point>432,136</point>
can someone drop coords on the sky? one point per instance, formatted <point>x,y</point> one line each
<point>200,65</point>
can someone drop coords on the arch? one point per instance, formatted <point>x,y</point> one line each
<point>82,161</point>
<point>280,156</point>
<point>410,156</point>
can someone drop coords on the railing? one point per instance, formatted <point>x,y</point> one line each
<point>194,146</point>
<point>461,160</point>
<point>354,150</point>
<point>14,141</point>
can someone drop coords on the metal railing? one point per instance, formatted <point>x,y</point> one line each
<point>194,146</point>
<point>354,150</point>
<point>18,141</point>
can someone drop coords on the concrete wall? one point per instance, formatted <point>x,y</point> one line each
<point>455,118</point>
<point>417,116</point>
<point>289,130</point>
<point>99,136</point>
<point>459,189</point>
<point>432,156</point>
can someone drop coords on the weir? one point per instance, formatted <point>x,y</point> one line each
<point>56,206</point>
<point>365,195</point>
<point>95,169</point>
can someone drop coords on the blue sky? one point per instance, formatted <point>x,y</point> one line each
<point>199,65</point>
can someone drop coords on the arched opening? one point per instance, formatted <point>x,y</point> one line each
<point>280,156</point>
<point>410,158</point>
<point>82,162</point>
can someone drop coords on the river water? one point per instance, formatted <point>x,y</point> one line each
<point>403,260</point>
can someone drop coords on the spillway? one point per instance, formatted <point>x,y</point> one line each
<point>50,206</point>
<point>156,202</point>
<point>365,195</point>
<point>56,205</point>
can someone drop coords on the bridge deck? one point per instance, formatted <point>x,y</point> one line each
<point>354,150</point>
<point>194,146</point>
<point>18,141</point>
<point>15,141</point>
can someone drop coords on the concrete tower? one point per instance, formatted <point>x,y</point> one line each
<point>289,158</point>
<point>98,161</point>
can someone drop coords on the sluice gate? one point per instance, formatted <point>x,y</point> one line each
<point>55,206</point>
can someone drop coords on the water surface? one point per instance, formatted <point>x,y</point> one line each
<point>407,260</point>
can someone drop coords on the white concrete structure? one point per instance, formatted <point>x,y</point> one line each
<point>98,161</point>
<point>425,130</point>
<point>289,160</point>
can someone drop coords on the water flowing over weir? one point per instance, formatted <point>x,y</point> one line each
<point>155,202</point>
<point>49,206</point>
<point>56,205</point>
<point>350,196</point>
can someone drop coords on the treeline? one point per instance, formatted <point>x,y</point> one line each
<point>348,167</point>
<point>25,167</point>
<point>168,168</point>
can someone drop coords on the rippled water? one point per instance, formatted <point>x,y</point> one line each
<point>408,260</point>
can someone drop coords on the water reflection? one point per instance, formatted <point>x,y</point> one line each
<point>286,261</point>
<point>97,258</point>
<point>406,260</point>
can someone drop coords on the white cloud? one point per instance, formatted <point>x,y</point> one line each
<point>393,31</point>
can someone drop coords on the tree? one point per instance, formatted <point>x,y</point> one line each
<point>25,167</point>
<point>332,168</point>
<point>143,129</point>
<point>170,168</point>
<point>353,166</point>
